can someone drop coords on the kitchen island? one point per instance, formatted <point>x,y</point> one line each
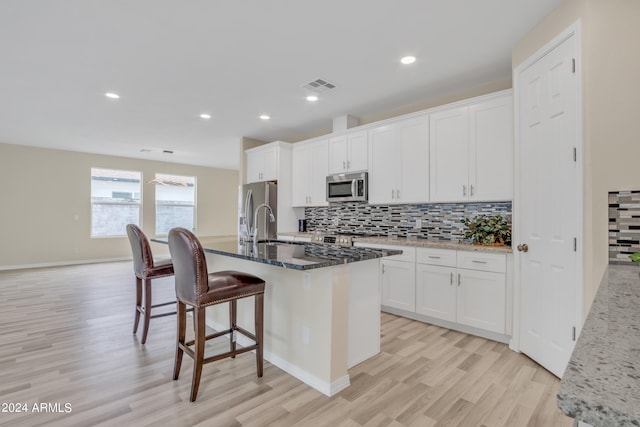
<point>322,305</point>
<point>601,384</point>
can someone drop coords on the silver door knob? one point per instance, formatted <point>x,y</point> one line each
<point>523,248</point>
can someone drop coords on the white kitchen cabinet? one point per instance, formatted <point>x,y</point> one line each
<point>262,163</point>
<point>398,284</point>
<point>310,169</point>
<point>436,291</point>
<point>471,151</point>
<point>481,300</point>
<point>399,162</point>
<point>348,152</point>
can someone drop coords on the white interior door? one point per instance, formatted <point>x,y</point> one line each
<point>548,214</point>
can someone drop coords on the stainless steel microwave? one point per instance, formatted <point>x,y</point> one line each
<point>348,187</point>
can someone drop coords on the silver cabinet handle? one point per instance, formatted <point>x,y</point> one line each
<point>464,190</point>
<point>398,194</point>
<point>459,281</point>
<point>451,282</point>
<point>471,190</point>
<point>435,257</point>
<point>479,262</point>
<point>344,165</point>
<point>348,164</point>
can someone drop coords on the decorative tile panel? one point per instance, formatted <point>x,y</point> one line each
<point>439,221</point>
<point>624,226</point>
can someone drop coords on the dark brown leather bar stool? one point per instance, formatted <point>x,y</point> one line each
<point>197,288</point>
<point>146,269</point>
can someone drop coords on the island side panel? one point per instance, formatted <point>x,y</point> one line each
<point>364,311</point>
<point>300,337</point>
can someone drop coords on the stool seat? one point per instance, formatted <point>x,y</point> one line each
<point>162,267</point>
<point>198,288</point>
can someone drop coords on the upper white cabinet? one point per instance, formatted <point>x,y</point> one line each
<point>348,152</point>
<point>310,169</point>
<point>262,163</point>
<point>399,162</point>
<point>471,151</point>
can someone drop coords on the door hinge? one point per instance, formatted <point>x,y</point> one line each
<point>573,65</point>
<point>575,244</point>
<point>575,154</point>
<point>573,333</point>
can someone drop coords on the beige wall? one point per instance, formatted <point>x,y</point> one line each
<point>42,191</point>
<point>611,129</point>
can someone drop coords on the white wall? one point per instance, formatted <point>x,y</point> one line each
<point>42,191</point>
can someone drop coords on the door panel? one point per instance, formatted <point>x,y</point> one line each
<point>549,212</point>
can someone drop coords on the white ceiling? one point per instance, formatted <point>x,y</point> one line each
<point>171,60</point>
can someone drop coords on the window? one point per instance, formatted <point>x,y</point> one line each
<point>115,201</point>
<point>175,202</point>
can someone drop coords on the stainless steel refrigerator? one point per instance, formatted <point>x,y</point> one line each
<point>251,196</point>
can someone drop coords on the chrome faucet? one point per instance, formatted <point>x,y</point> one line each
<point>255,221</point>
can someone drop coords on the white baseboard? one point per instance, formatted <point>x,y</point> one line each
<point>324,387</point>
<point>62,263</point>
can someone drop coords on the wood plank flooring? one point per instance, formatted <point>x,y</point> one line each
<point>65,339</point>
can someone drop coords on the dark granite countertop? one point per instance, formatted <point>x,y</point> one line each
<point>294,255</point>
<point>601,385</point>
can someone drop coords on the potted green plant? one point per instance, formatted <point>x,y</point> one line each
<point>488,230</point>
<point>635,257</point>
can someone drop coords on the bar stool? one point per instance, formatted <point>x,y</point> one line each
<point>198,288</point>
<point>146,269</point>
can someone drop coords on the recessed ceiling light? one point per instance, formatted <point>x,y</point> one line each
<point>312,98</point>
<point>112,95</point>
<point>264,117</point>
<point>408,60</point>
<point>205,116</point>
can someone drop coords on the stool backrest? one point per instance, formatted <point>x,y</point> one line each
<point>142,256</point>
<point>189,265</point>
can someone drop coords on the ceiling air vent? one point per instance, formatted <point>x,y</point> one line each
<point>319,86</point>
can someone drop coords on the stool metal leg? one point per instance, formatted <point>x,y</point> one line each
<point>233,310</point>
<point>259,325</point>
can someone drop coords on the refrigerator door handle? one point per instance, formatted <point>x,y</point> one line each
<point>248,207</point>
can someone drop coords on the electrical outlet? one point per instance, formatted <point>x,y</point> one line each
<point>305,335</point>
<point>418,223</point>
<point>306,281</point>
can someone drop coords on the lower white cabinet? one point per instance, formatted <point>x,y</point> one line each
<point>436,291</point>
<point>466,288</point>
<point>470,290</point>
<point>481,300</point>
<point>398,284</point>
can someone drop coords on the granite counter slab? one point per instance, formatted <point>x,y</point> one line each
<point>294,255</point>
<point>601,385</point>
<point>419,243</point>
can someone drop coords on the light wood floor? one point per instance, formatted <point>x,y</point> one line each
<point>65,338</point>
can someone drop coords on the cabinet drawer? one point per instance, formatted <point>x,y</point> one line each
<point>496,263</point>
<point>408,253</point>
<point>444,257</point>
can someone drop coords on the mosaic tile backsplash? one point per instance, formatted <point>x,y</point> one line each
<point>438,221</point>
<point>624,226</point>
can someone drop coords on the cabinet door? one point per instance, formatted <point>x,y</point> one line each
<point>481,300</point>
<point>491,150</point>
<point>254,166</point>
<point>357,151</point>
<point>319,165</point>
<point>399,284</point>
<point>270,164</point>
<point>338,154</point>
<point>413,169</point>
<point>384,164</point>
<point>436,291</point>
<point>449,155</point>
<point>301,175</point>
